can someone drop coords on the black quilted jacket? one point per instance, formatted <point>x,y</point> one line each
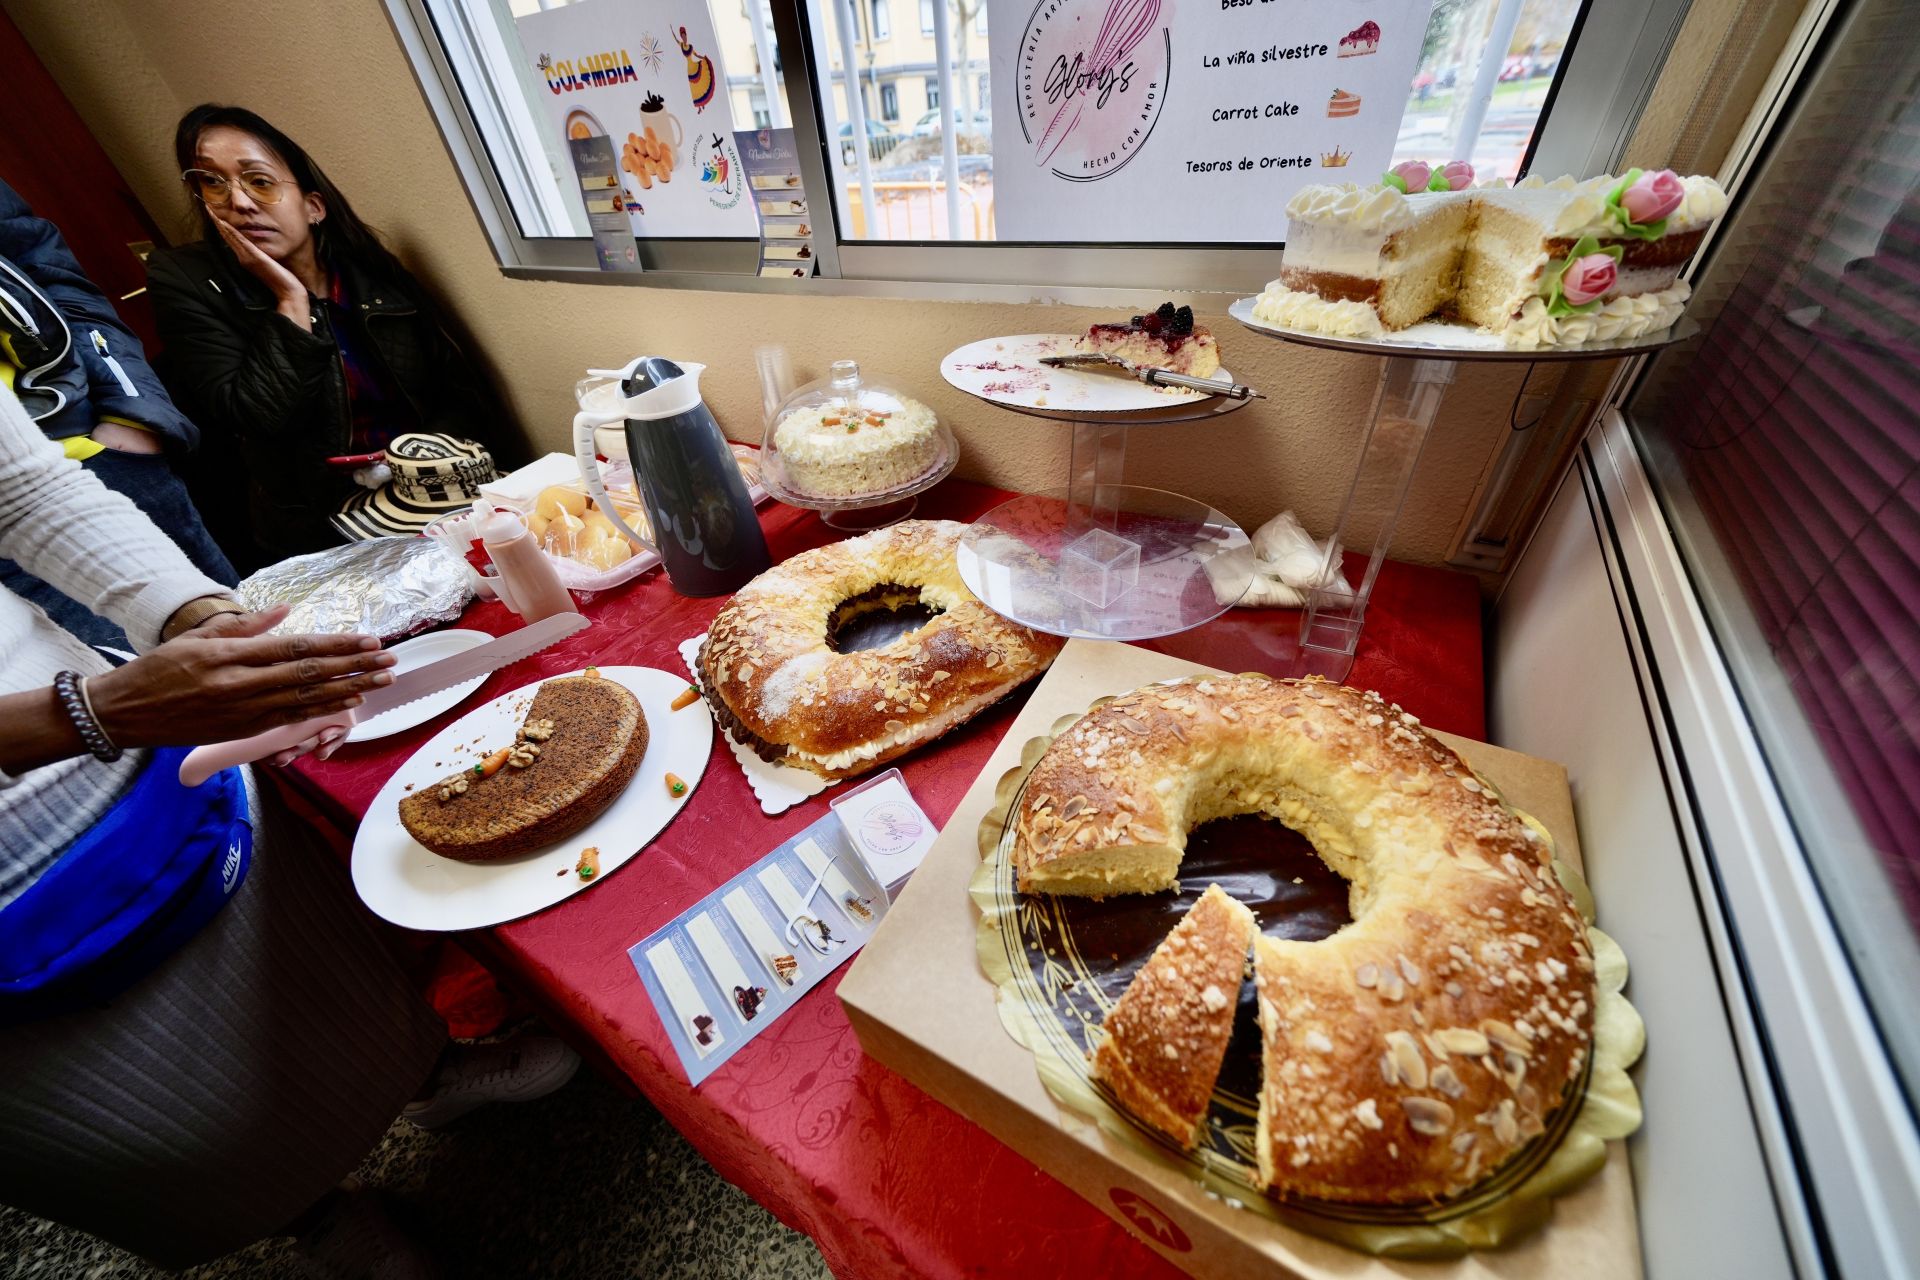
<point>272,399</point>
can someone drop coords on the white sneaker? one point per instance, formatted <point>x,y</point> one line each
<point>518,1070</point>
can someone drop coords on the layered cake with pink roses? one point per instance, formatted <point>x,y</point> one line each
<point>1540,264</point>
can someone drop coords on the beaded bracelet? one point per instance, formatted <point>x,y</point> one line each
<point>72,692</point>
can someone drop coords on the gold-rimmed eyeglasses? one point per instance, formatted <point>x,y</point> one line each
<point>216,191</point>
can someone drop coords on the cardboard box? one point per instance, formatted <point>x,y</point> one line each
<point>920,1004</point>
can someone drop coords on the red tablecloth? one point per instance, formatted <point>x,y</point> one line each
<point>886,1180</point>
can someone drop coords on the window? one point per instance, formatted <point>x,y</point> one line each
<point>1783,445</point>
<point>900,209</point>
<point>1484,74</point>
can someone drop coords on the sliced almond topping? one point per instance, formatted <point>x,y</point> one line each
<point>1505,1127</point>
<point>1368,1115</point>
<point>1463,1040</point>
<point>1410,971</point>
<point>1367,975</point>
<point>1428,1117</point>
<point>1318,1042</point>
<point>1506,1037</point>
<point>1409,1063</point>
<point>1447,1082</point>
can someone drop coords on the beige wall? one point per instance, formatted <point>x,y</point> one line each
<point>332,75</point>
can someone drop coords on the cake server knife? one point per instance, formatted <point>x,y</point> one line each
<point>1152,375</point>
<point>202,763</point>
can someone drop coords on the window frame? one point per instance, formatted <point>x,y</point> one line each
<point>1600,91</point>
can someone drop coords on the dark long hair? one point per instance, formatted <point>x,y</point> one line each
<point>341,236</point>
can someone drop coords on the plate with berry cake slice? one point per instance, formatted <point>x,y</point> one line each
<point>1007,371</point>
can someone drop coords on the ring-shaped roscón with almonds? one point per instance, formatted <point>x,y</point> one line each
<point>1414,1051</point>
<point>772,674</point>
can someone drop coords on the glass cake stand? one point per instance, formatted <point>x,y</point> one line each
<point>1417,365</point>
<point>866,511</point>
<point>1101,559</point>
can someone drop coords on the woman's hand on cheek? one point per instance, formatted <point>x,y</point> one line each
<point>289,294</point>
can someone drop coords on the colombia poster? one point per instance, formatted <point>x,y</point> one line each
<point>646,75</point>
<point>1190,120</point>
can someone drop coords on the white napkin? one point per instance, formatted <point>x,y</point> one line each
<point>1284,561</point>
<point>777,786</point>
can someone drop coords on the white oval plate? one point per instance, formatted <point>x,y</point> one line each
<point>1008,371</point>
<point>413,654</point>
<point>405,883</point>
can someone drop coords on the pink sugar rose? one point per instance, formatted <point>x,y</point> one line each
<point>1653,196</point>
<point>1413,173</point>
<point>1588,278</point>
<point>1459,175</point>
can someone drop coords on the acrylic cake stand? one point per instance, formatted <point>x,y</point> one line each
<point>1417,366</point>
<point>1101,559</point>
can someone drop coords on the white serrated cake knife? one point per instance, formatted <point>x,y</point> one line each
<point>202,763</point>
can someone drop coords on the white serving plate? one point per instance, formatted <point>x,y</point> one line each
<point>413,654</point>
<point>412,887</point>
<point>1457,340</point>
<point>1007,371</point>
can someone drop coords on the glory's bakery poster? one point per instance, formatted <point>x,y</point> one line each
<point>1191,120</point>
<point>646,74</point>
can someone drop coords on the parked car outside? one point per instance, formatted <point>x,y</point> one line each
<point>930,123</point>
<point>880,140</point>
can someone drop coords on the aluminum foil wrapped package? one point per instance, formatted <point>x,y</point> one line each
<point>386,587</point>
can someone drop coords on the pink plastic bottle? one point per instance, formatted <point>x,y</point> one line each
<point>532,583</point>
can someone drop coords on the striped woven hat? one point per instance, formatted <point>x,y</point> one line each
<point>432,475</point>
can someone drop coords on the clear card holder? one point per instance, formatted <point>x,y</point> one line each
<point>1097,564</point>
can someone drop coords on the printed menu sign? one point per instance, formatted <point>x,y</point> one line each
<point>1191,120</point>
<point>780,199</point>
<point>606,203</point>
<point>646,76</point>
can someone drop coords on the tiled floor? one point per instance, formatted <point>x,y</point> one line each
<point>586,1184</point>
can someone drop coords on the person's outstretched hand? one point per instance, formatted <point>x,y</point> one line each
<point>228,679</point>
<point>289,295</point>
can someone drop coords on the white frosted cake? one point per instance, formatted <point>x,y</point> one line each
<point>841,451</point>
<point>1541,264</point>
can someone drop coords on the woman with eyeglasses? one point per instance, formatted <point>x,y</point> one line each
<point>297,338</point>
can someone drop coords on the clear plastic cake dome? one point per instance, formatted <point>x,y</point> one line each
<point>847,441</point>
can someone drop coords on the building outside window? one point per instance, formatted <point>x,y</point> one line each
<point>933,93</point>
<point>926,17</point>
<point>889,101</point>
<point>882,22</point>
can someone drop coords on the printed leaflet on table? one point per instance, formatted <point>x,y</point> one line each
<point>724,969</point>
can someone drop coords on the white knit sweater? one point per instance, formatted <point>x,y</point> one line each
<point>66,528</point>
